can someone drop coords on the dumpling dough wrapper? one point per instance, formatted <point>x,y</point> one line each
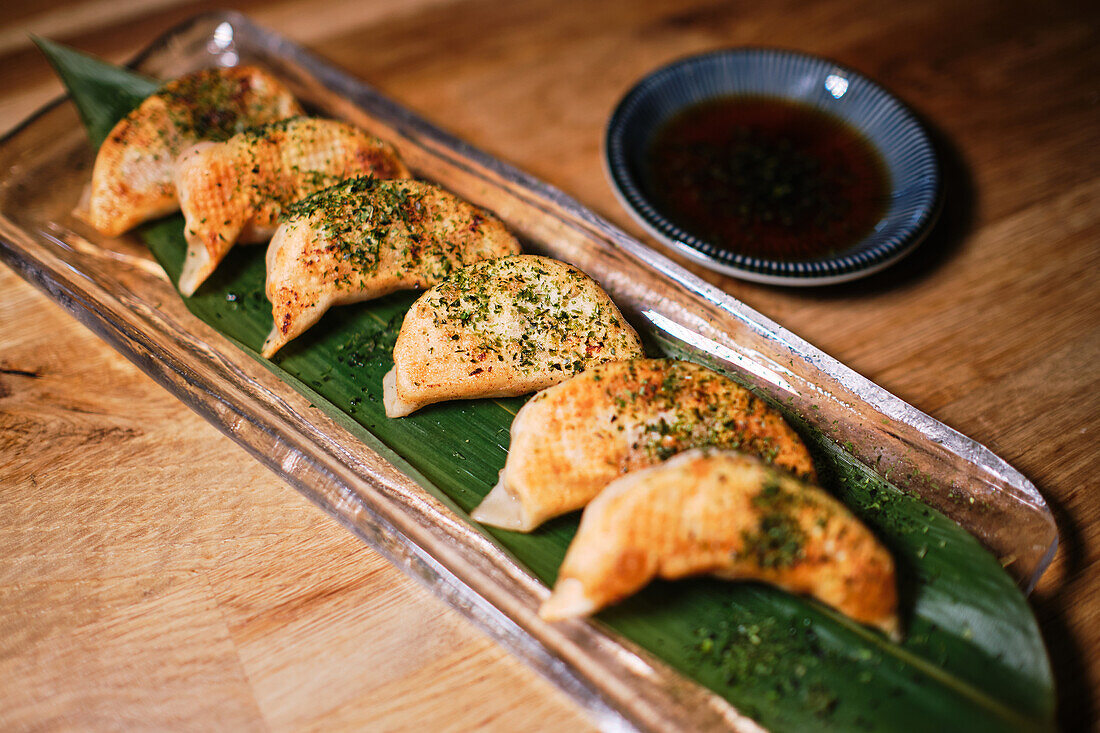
<point>571,440</point>
<point>730,515</point>
<point>503,328</point>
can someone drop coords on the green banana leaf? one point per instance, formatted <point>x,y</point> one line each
<point>972,659</point>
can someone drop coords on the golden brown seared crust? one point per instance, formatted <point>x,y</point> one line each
<point>237,190</point>
<point>132,180</point>
<point>365,238</point>
<point>730,515</point>
<point>501,328</point>
<point>576,437</point>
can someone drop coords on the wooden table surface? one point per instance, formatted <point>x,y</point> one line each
<point>152,574</point>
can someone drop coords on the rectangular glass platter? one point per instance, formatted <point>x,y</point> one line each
<point>114,287</point>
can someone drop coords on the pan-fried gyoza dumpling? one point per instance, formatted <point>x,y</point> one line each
<point>236,191</point>
<point>502,328</point>
<point>730,515</point>
<point>133,177</point>
<point>365,238</point>
<point>573,439</point>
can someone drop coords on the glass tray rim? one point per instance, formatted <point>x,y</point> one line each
<point>611,708</point>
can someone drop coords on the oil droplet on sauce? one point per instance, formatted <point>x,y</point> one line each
<point>767,178</point>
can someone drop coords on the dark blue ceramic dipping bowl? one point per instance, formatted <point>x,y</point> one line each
<point>901,141</point>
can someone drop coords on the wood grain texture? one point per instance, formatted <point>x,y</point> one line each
<point>152,574</point>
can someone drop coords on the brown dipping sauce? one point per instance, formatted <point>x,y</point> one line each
<point>767,178</point>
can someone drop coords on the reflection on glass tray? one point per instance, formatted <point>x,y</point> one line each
<point>117,290</point>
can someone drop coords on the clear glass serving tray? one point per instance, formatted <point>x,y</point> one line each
<point>115,288</point>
